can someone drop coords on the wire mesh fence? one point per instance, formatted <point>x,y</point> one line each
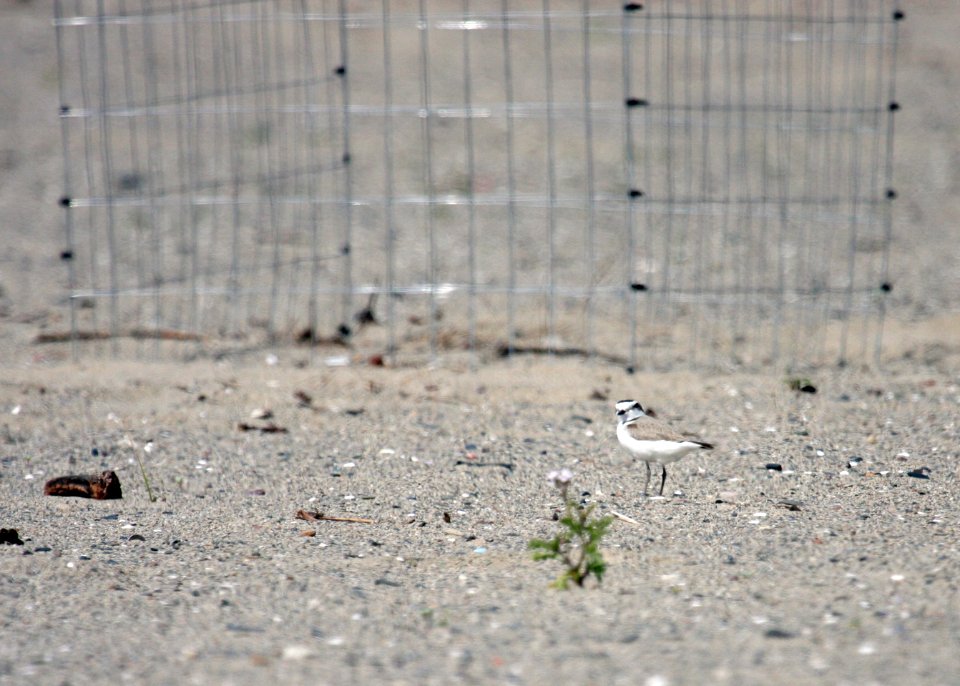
<point>696,183</point>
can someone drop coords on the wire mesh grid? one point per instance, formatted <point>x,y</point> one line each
<point>698,183</point>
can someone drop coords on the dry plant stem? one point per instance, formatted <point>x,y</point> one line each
<point>320,517</point>
<point>146,481</point>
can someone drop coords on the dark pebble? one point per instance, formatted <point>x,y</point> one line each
<point>920,473</point>
<point>775,466</point>
<point>779,633</point>
<point>10,537</point>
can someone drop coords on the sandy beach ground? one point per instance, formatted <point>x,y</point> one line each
<point>838,567</point>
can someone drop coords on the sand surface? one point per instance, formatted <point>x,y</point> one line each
<point>841,568</point>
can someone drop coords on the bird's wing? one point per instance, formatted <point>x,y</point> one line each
<point>645,428</point>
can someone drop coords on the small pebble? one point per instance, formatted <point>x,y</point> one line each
<point>778,633</point>
<point>10,537</point>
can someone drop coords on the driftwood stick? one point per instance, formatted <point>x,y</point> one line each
<point>139,334</point>
<point>320,517</point>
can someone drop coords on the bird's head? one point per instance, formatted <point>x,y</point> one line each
<point>628,410</point>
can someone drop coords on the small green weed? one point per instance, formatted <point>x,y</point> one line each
<point>577,545</point>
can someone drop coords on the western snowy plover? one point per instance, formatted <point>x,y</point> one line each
<point>651,440</point>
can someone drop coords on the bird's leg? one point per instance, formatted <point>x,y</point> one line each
<point>663,479</point>
<point>647,482</point>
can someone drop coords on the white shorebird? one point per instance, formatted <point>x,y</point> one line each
<point>651,440</point>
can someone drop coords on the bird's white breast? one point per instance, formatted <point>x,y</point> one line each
<point>660,451</point>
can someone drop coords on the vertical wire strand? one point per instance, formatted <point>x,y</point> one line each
<point>155,174</point>
<point>830,181</point>
<point>269,171</point>
<point>232,70</point>
<point>744,316</point>
<point>888,183</point>
<point>760,246</point>
<point>665,311</point>
<point>803,272</point>
<point>89,185</point>
<point>176,28</point>
<point>468,142</point>
<point>348,190</point>
<point>511,177</point>
<point>725,269</point>
<point>106,160</point>
<point>135,170</point>
<point>684,225</point>
<point>220,144</point>
<point>703,280</point>
<point>314,190</point>
<point>785,159</point>
<point>288,157</point>
<point>294,154</point>
<point>874,194</point>
<point>853,90</point>
<point>866,122</point>
<point>257,129</point>
<point>551,178</point>
<point>193,123</point>
<point>388,182</point>
<point>70,249</point>
<point>333,64</point>
<point>590,227</point>
<point>651,143</point>
<point>426,132</point>
<point>630,173</point>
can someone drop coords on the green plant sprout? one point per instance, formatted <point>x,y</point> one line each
<point>577,545</point>
<point>143,472</point>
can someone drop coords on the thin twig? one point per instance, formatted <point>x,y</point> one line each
<point>320,517</point>
<point>625,518</point>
